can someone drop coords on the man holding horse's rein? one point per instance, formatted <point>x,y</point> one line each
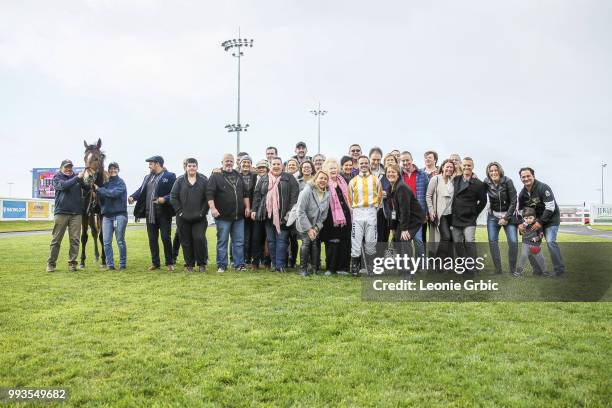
<point>153,204</point>
<point>67,214</point>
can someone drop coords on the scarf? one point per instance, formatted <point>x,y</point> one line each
<point>334,202</point>
<point>272,201</point>
<point>156,178</point>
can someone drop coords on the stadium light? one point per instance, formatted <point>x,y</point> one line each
<point>603,165</point>
<point>236,45</point>
<point>318,113</point>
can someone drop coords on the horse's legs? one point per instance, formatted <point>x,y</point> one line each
<point>83,240</point>
<point>94,234</point>
<point>99,221</point>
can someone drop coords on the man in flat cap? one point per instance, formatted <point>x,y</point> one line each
<point>153,204</point>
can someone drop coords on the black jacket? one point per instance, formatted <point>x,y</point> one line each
<point>502,197</point>
<point>228,197</point>
<point>288,189</point>
<point>468,201</point>
<point>189,201</point>
<point>409,214</point>
<point>68,194</point>
<point>164,186</point>
<point>249,181</point>
<point>542,200</point>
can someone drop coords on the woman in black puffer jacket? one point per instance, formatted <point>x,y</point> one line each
<point>502,213</point>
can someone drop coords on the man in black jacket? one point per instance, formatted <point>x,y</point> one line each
<point>188,197</point>
<point>153,204</point>
<point>67,214</point>
<point>228,202</point>
<point>540,197</point>
<point>469,199</point>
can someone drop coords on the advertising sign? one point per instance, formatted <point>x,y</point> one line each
<point>14,209</point>
<point>38,209</point>
<point>42,181</point>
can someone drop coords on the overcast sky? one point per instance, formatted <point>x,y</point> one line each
<point>521,82</point>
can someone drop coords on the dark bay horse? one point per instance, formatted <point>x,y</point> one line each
<point>92,217</point>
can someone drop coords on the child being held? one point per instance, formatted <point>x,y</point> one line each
<point>532,239</point>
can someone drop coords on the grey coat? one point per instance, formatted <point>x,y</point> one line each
<point>310,211</point>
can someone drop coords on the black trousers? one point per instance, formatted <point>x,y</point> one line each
<point>445,247</point>
<point>193,241</point>
<point>293,248</point>
<point>248,239</point>
<point>382,226</point>
<point>258,241</point>
<point>338,255</point>
<point>163,227</point>
<point>176,244</point>
<point>309,251</point>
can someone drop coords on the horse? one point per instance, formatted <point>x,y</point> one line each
<point>92,216</point>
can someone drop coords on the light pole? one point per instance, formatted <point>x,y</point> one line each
<point>602,184</point>
<point>236,45</point>
<point>10,184</point>
<point>318,113</point>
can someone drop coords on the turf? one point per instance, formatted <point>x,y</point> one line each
<point>139,338</point>
<point>602,227</point>
<point>18,226</point>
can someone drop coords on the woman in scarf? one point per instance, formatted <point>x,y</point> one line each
<point>336,232</point>
<point>439,199</point>
<point>312,208</point>
<point>273,198</point>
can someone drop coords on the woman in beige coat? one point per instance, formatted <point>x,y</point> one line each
<point>439,202</point>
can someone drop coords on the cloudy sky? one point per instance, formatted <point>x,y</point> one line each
<point>521,82</point>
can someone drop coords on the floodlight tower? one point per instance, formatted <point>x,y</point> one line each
<point>236,45</point>
<point>318,113</point>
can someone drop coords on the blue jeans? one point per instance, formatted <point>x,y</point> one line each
<point>225,228</point>
<point>116,224</point>
<point>511,231</point>
<point>550,233</point>
<point>277,245</point>
<point>419,245</point>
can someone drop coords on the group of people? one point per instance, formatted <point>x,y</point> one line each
<point>262,209</point>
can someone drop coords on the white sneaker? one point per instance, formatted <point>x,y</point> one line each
<point>221,270</point>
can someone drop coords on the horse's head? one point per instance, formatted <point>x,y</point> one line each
<point>94,158</point>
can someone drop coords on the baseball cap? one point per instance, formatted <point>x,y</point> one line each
<point>66,162</point>
<point>300,144</point>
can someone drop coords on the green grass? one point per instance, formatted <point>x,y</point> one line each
<point>602,227</point>
<point>139,338</point>
<point>23,226</point>
<point>18,226</point>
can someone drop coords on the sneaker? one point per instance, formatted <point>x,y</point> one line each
<point>342,273</point>
<point>303,273</point>
<point>153,267</point>
<point>202,268</point>
<point>50,268</point>
<point>221,270</point>
<point>330,273</point>
<point>72,268</point>
<point>241,269</point>
<point>517,274</point>
<point>189,269</point>
<point>170,268</point>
